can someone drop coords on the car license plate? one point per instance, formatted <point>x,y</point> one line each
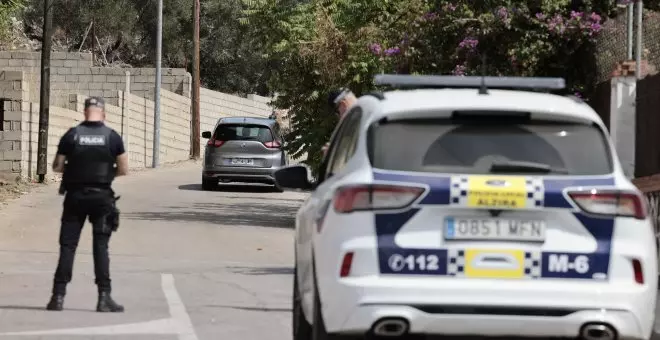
<point>242,161</point>
<point>494,229</point>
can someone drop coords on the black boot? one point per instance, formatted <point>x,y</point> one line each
<point>107,304</point>
<point>56,302</point>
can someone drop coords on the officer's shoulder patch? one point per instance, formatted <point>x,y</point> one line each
<point>91,140</point>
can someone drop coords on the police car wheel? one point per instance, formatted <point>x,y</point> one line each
<point>318,327</point>
<point>208,185</point>
<point>302,330</point>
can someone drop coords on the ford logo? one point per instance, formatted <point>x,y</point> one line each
<point>497,183</point>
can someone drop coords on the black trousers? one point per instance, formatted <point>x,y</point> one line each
<point>80,205</point>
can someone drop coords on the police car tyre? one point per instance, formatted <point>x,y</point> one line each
<point>208,185</point>
<point>318,325</point>
<point>301,329</point>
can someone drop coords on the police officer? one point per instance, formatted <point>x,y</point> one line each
<point>94,156</point>
<point>340,101</point>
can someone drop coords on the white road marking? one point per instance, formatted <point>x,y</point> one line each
<point>178,323</point>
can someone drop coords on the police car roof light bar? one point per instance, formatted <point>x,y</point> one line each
<point>405,80</point>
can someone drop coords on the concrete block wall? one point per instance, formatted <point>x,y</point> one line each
<point>215,105</point>
<point>59,122</point>
<point>129,114</point>
<point>73,72</point>
<point>13,90</point>
<point>133,120</point>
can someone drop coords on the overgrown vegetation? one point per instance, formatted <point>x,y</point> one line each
<point>321,45</point>
<point>301,49</point>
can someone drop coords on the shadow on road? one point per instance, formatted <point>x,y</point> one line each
<point>270,214</point>
<point>231,188</point>
<point>42,308</point>
<point>262,270</point>
<point>253,309</point>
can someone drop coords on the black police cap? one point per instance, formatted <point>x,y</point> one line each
<point>94,101</point>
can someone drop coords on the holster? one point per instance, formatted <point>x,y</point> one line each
<point>62,189</point>
<point>112,219</point>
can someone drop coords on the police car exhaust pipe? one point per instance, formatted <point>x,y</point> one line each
<point>598,331</point>
<point>390,327</point>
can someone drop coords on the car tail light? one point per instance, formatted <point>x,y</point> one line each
<point>610,202</point>
<point>273,145</point>
<point>374,197</point>
<point>346,265</point>
<point>215,143</point>
<point>639,273</point>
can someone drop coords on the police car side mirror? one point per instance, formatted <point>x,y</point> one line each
<point>294,177</point>
<point>206,134</point>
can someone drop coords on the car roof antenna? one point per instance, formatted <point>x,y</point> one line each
<point>483,89</point>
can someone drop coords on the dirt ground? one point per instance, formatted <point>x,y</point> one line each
<point>11,188</point>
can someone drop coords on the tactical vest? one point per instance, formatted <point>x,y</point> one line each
<point>91,162</point>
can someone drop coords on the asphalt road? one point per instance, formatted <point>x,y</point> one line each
<point>187,264</point>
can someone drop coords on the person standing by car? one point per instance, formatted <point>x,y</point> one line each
<point>91,151</point>
<point>341,101</point>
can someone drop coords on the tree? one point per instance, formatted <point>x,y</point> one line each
<point>320,45</point>
<point>124,32</point>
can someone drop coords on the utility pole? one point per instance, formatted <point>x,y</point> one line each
<point>630,24</point>
<point>44,94</point>
<point>638,50</point>
<point>159,47</point>
<point>196,84</point>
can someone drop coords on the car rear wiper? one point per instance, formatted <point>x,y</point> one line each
<point>520,166</point>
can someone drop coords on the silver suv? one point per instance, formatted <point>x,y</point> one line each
<point>242,149</point>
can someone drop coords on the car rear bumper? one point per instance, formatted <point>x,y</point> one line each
<point>241,174</point>
<point>568,326</point>
<point>487,307</point>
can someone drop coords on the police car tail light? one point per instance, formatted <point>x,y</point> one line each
<point>614,203</point>
<point>215,143</point>
<point>374,197</point>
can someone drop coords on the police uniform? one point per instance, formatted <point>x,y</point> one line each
<point>91,150</point>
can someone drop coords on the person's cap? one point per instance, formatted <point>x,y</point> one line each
<point>336,96</point>
<point>94,101</point>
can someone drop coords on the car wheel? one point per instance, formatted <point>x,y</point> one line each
<point>208,185</point>
<point>302,330</point>
<point>318,327</point>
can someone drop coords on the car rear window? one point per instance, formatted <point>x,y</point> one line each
<point>473,148</point>
<point>227,132</point>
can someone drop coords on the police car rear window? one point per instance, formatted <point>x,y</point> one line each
<point>228,132</point>
<point>448,146</point>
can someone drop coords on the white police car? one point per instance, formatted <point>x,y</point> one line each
<point>474,212</point>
